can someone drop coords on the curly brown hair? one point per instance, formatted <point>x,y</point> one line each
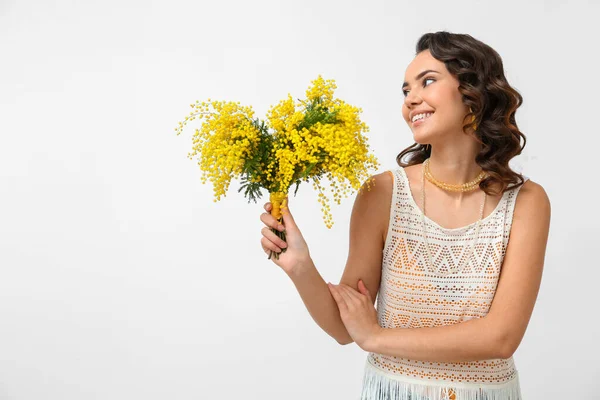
<point>493,102</point>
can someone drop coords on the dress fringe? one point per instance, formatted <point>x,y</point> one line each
<point>381,385</point>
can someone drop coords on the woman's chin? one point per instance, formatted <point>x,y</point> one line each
<point>421,138</point>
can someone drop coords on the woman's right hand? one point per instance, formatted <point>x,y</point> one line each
<point>296,253</point>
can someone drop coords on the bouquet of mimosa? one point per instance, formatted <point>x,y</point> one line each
<point>318,137</point>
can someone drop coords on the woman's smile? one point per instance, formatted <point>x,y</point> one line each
<point>421,121</point>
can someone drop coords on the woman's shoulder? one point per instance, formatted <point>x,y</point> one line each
<point>532,198</point>
<point>382,186</point>
<point>532,189</point>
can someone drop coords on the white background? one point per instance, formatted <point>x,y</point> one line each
<point>120,278</point>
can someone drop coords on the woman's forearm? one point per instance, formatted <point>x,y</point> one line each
<point>319,302</point>
<point>473,340</point>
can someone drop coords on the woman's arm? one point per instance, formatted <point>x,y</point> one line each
<point>370,214</point>
<point>499,333</point>
<point>473,340</point>
<point>318,301</point>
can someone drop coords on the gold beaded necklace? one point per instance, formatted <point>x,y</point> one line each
<point>463,187</point>
<point>479,221</point>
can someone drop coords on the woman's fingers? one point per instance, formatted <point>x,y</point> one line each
<point>270,242</point>
<point>336,293</point>
<point>267,245</point>
<point>272,237</point>
<point>271,221</point>
<point>342,291</point>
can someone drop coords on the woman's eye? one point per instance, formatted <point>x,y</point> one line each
<point>428,79</point>
<point>405,92</point>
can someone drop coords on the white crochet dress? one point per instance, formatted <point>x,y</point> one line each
<point>412,296</point>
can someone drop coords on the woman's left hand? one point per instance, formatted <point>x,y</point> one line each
<point>357,312</point>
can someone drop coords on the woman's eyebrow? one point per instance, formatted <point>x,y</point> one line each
<point>419,76</point>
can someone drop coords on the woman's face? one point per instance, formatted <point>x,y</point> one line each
<point>434,91</point>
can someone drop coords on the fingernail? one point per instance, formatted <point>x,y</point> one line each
<point>281,228</point>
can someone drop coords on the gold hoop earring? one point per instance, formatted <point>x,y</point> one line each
<point>473,119</point>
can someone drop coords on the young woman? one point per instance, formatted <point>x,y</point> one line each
<point>451,243</point>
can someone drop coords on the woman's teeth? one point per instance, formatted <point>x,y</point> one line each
<point>420,117</point>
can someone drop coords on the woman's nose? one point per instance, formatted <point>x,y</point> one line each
<point>411,103</point>
<point>412,99</point>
